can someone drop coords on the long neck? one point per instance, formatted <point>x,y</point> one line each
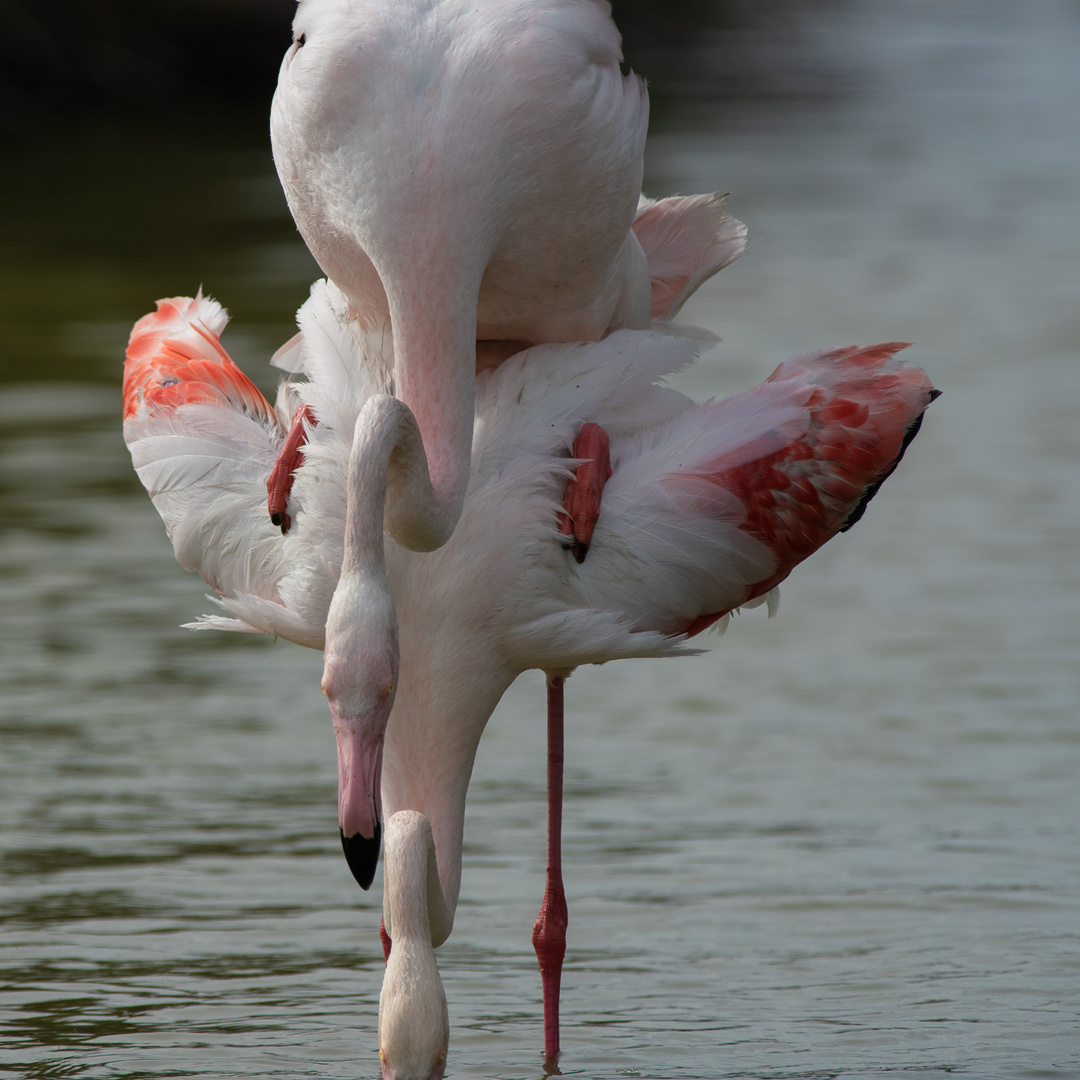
<point>415,908</point>
<point>387,480</point>
<point>432,297</point>
<point>389,487</point>
<point>444,700</point>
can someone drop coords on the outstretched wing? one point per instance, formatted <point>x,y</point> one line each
<point>203,440</point>
<point>712,510</point>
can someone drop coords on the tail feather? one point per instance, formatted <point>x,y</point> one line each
<point>686,239</point>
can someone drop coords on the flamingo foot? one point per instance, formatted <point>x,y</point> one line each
<point>581,503</point>
<point>549,931</point>
<point>281,477</point>
<point>549,941</point>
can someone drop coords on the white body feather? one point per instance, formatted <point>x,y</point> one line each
<point>206,467</point>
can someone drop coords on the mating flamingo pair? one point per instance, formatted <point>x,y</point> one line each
<point>468,175</point>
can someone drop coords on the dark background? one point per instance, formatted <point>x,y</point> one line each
<point>136,155</point>
<point>73,58</point>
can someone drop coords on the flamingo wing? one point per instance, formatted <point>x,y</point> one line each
<point>203,440</point>
<point>712,510</point>
<point>708,507</point>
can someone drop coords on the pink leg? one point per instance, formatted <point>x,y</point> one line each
<point>281,478</point>
<point>581,503</point>
<point>549,933</point>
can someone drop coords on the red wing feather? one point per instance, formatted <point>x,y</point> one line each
<point>174,357</point>
<point>864,409</point>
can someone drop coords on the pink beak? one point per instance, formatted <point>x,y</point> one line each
<point>359,800</point>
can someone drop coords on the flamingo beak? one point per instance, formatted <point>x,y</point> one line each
<point>359,800</point>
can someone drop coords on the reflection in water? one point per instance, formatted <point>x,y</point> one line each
<point>843,843</point>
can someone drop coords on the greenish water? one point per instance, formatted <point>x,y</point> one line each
<point>844,843</point>
<point>113,215</point>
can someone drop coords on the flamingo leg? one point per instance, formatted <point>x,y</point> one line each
<point>549,932</point>
<point>577,520</point>
<point>280,482</point>
<point>581,503</point>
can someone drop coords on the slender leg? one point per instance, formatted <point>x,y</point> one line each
<point>577,520</point>
<point>280,482</point>
<point>549,933</point>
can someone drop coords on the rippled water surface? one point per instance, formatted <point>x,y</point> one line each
<point>843,843</point>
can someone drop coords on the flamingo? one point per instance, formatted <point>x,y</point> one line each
<point>468,174</point>
<point>708,507</point>
<point>466,170</point>
<point>686,239</point>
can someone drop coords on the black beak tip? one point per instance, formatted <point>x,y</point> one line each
<point>362,855</point>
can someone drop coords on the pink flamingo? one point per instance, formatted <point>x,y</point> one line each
<point>466,170</point>
<point>686,239</point>
<point>707,508</point>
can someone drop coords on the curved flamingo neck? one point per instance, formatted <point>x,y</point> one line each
<point>390,487</point>
<point>437,383</point>
<point>434,376</point>
<point>432,298</point>
<point>387,482</point>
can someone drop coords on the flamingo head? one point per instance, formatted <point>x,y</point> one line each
<point>360,674</point>
<point>414,1026</point>
<point>325,125</point>
<point>418,1051</point>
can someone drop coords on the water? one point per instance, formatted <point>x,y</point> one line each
<point>844,843</point>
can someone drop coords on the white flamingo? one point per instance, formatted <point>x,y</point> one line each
<point>686,239</point>
<point>708,507</point>
<point>469,170</point>
<point>467,173</point>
